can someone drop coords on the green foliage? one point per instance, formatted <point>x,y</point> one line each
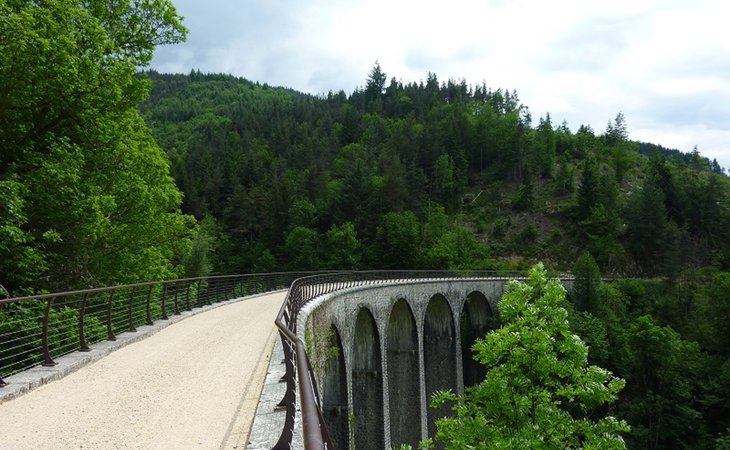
<point>588,191</point>
<point>592,331</point>
<point>264,160</point>
<point>342,250</point>
<point>719,312</point>
<point>19,262</point>
<point>526,236</point>
<point>458,249</point>
<point>89,197</point>
<point>539,391</point>
<point>587,283</point>
<point>447,186</point>
<point>198,263</point>
<point>662,368</point>
<point>437,224</point>
<point>525,198</point>
<point>301,247</point>
<point>545,148</point>
<point>397,241</point>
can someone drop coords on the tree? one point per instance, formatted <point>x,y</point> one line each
<point>646,226</point>
<point>446,191</point>
<point>617,130</point>
<point>397,241</point>
<point>663,370</point>
<point>374,89</point>
<point>588,191</point>
<point>342,249</point>
<point>95,203</point>
<point>198,263</point>
<point>545,148</point>
<point>457,249</point>
<point>587,283</point>
<point>301,249</point>
<point>539,391</point>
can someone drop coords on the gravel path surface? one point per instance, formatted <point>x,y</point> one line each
<point>193,385</point>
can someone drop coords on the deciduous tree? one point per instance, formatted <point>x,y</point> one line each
<point>539,391</point>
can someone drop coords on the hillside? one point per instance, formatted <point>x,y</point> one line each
<point>446,175</point>
<point>430,175</point>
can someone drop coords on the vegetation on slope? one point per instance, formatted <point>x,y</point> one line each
<point>427,175</point>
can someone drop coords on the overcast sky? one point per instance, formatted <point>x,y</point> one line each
<point>665,64</point>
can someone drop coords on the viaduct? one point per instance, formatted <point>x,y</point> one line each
<point>380,351</point>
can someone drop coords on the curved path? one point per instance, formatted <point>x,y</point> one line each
<point>192,385</point>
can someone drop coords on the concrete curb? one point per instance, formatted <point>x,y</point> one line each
<point>269,420</point>
<point>30,379</point>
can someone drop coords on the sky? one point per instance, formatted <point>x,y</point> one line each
<point>664,64</point>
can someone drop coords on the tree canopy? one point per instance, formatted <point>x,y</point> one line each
<point>89,197</point>
<point>539,391</point>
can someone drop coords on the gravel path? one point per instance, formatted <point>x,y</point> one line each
<point>193,385</point>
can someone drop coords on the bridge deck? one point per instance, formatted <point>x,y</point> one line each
<point>192,385</point>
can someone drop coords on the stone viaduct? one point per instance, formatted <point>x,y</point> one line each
<point>380,351</point>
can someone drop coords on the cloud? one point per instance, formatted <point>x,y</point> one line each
<point>592,45</point>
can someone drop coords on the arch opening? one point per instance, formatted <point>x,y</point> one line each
<point>334,392</point>
<point>476,320</point>
<point>367,384</point>
<point>404,390</point>
<point>439,354</point>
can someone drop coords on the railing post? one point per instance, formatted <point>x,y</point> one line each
<point>162,302</point>
<point>197,294</point>
<point>288,402</point>
<point>208,289</point>
<point>47,360</point>
<point>230,291</point>
<point>176,310</point>
<point>109,331</point>
<point>147,305</point>
<point>132,328</point>
<point>83,347</point>
<point>289,374</point>
<point>187,297</point>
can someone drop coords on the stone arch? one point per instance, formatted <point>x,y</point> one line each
<point>439,354</point>
<point>476,319</point>
<point>404,390</point>
<point>334,392</point>
<point>367,383</point>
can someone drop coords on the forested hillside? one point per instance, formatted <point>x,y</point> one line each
<point>448,175</point>
<point>434,175</point>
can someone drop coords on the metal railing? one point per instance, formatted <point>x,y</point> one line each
<point>298,369</point>
<point>36,329</point>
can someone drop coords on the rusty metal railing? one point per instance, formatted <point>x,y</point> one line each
<point>36,329</point>
<point>298,369</point>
